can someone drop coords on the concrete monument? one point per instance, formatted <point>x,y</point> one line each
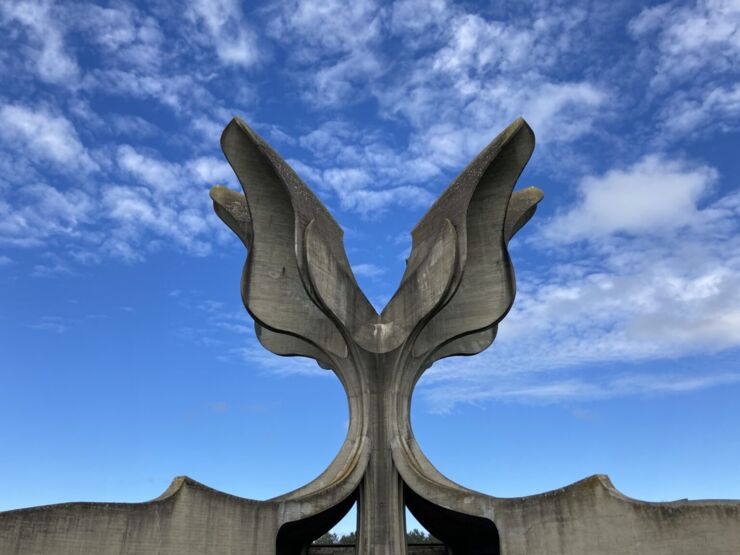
<point>299,288</point>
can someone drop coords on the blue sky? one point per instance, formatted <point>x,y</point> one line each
<point>126,357</point>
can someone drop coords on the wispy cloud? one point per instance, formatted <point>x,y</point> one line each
<point>42,135</point>
<point>569,390</point>
<point>693,40</point>
<point>372,203</point>
<point>476,74</point>
<point>125,35</point>
<point>176,91</point>
<point>368,270</point>
<point>62,324</point>
<point>155,200</point>
<point>229,332</point>
<point>218,326</point>
<point>256,357</point>
<point>693,53</point>
<point>224,26</point>
<point>717,107</point>
<point>37,26</point>
<point>40,211</point>
<point>455,81</point>
<point>53,324</point>
<point>334,64</point>
<point>364,174</point>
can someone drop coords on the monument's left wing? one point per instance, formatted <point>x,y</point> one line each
<point>273,219</point>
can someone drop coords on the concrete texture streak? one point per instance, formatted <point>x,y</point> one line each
<point>299,288</point>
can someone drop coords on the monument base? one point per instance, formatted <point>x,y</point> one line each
<point>589,517</point>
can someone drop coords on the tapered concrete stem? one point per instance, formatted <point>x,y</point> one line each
<point>381,522</point>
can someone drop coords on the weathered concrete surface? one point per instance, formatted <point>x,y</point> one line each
<point>591,516</point>
<point>188,518</point>
<point>299,288</point>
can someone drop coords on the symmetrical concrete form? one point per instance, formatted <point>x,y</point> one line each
<point>299,288</point>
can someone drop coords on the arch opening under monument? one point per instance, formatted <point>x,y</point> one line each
<point>295,537</point>
<point>463,534</point>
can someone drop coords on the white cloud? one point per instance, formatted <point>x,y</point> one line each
<point>700,38</point>
<point>140,218</point>
<point>5,260</point>
<point>166,205</point>
<point>475,45</point>
<point>208,127</point>
<point>170,204</point>
<point>414,18</point>
<point>368,270</point>
<point>334,63</point>
<point>453,122</point>
<point>128,204</point>
<point>365,174</point>
<point>344,179</point>
<point>329,27</point>
<point>371,203</point>
<point>125,35</point>
<point>693,54</point>
<point>654,194</point>
<point>715,107</point>
<point>49,55</point>
<point>341,82</point>
<point>42,135</point>
<point>164,176</point>
<point>178,91</point>
<point>159,174</point>
<point>207,169</point>
<point>131,125</point>
<point>234,40</point>
<point>473,75</point>
<point>457,80</point>
<point>54,267</point>
<point>42,212</point>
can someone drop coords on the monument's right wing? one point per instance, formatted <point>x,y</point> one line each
<point>486,213</point>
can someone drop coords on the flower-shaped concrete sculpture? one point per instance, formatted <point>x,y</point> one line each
<point>459,283</point>
<point>299,288</point>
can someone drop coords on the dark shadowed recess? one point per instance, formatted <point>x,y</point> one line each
<point>294,537</point>
<point>463,534</point>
